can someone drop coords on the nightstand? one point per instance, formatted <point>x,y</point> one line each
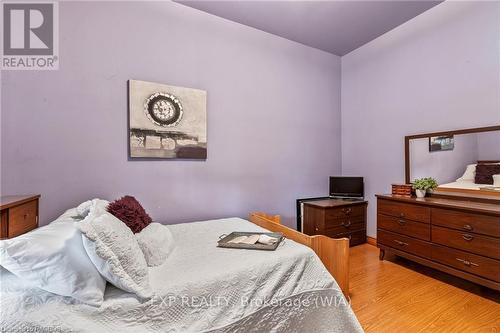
<point>18,214</point>
<point>336,218</point>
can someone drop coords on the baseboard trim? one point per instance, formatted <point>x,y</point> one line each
<point>371,240</point>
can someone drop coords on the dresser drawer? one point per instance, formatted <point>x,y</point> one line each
<point>342,221</point>
<point>355,237</point>
<point>404,210</point>
<point>22,218</point>
<point>345,228</point>
<point>468,262</point>
<point>479,244</point>
<point>467,222</point>
<point>404,243</point>
<point>350,212</point>
<point>404,226</point>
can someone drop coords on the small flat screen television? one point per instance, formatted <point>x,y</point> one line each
<point>347,187</point>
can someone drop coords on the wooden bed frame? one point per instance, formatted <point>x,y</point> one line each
<point>334,253</point>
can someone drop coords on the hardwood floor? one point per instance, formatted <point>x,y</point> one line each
<point>396,295</point>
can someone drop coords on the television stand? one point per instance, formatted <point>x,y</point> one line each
<point>336,218</point>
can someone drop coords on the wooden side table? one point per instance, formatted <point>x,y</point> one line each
<point>336,218</point>
<point>18,214</point>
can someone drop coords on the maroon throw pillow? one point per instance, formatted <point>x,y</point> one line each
<point>130,212</point>
<point>485,172</point>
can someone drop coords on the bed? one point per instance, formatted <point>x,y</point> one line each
<point>466,184</point>
<point>202,288</point>
<point>469,188</point>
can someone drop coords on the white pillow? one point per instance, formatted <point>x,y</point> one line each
<point>496,180</point>
<point>83,209</point>
<point>469,174</point>
<point>113,249</point>
<point>53,258</point>
<point>156,242</point>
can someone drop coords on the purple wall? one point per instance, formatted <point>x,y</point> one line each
<point>439,71</point>
<point>488,145</point>
<point>273,115</point>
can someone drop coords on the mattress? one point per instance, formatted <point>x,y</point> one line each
<point>200,288</point>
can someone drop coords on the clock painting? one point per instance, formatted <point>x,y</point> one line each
<point>167,121</point>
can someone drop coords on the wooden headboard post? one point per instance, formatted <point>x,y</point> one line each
<point>333,253</point>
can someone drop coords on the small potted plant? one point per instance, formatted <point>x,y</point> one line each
<point>423,185</point>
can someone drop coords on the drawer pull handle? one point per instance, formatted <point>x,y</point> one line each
<point>467,237</point>
<point>316,228</point>
<point>348,224</point>
<point>401,222</point>
<point>400,243</point>
<point>468,227</point>
<point>347,210</point>
<point>467,262</point>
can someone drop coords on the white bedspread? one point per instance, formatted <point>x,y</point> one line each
<point>200,288</point>
<point>462,184</point>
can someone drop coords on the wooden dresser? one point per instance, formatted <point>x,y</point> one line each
<point>18,214</point>
<point>337,219</point>
<point>458,237</point>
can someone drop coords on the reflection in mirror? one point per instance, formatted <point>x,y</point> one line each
<point>456,168</point>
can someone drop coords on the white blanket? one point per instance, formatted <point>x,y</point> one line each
<point>200,288</point>
<point>462,184</point>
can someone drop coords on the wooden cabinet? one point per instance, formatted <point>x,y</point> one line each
<point>461,238</point>
<point>337,219</point>
<point>18,215</point>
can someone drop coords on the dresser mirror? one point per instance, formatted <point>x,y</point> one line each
<point>465,162</point>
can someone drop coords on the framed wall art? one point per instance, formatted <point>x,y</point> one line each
<point>440,143</point>
<point>166,122</point>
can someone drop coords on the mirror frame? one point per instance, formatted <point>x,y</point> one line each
<point>425,135</point>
